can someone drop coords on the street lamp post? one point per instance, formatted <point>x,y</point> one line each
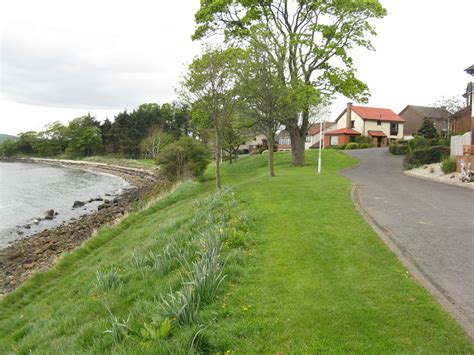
<point>321,137</point>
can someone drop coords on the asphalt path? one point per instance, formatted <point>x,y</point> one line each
<point>431,224</point>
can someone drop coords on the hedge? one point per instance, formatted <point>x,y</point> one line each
<point>425,156</point>
<point>398,149</point>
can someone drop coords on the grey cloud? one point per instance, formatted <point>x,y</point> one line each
<point>45,75</point>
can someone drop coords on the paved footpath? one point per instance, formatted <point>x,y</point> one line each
<point>432,224</point>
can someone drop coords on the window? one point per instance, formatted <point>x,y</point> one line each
<point>393,129</point>
<point>308,139</point>
<point>352,124</point>
<point>334,140</point>
<point>352,139</point>
<point>284,141</point>
<point>379,123</point>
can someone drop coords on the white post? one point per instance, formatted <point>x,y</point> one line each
<point>321,137</point>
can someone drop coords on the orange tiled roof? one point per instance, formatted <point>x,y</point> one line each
<point>377,134</point>
<point>377,114</point>
<point>342,131</point>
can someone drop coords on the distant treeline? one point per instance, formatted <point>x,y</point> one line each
<point>131,134</point>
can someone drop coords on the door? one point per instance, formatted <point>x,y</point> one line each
<point>379,141</point>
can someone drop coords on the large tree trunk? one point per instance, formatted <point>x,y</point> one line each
<point>298,137</point>
<point>270,143</point>
<point>297,145</point>
<point>218,161</point>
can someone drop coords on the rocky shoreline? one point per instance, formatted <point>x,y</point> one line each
<point>38,252</point>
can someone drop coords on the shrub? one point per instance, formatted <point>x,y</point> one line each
<point>364,145</point>
<point>419,142</point>
<point>428,129</point>
<point>363,139</point>
<point>424,156</point>
<point>352,145</point>
<point>448,165</point>
<point>184,158</point>
<point>398,149</point>
<point>445,141</point>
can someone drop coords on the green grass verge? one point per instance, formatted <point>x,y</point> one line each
<point>304,273</point>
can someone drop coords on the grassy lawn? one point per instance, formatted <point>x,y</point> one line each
<point>303,273</point>
<point>111,159</point>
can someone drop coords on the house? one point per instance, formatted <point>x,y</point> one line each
<point>283,140</point>
<point>254,143</point>
<point>381,124</point>
<point>314,134</point>
<point>312,137</point>
<point>414,116</point>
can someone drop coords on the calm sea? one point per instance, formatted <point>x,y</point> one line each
<point>27,191</point>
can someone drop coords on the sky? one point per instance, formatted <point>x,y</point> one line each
<point>63,59</point>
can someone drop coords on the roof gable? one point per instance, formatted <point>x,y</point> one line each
<point>436,113</point>
<point>377,114</point>
<point>374,114</point>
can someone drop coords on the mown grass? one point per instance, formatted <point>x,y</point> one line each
<point>301,272</point>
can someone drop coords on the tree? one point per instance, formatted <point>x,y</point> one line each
<point>234,134</point>
<point>453,104</point>
<point>8,147</point>
<point>428,129</point>
<point>311,37</point>
<point>84,136</point>
<point>209,86</point>
<point>266,97</point>
<point>56,133</point>
<point>184,158</point>
<point>154,142</point>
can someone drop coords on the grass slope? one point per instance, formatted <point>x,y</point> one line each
<point>306,274</point>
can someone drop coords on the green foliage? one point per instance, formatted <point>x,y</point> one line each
<point>424,156</point>
<point>363,139</point>
<point>419,142</point>
<point>154,142</point>
<point>398,149</point>
<point>364,145</point>
<point>153,331</point>
<point>448,165</point>
<point>352,145</point>
<point>8,148</point>
<point>428,129</point>
<point>185,158</point>
<point>308,42</point>
<point>84,136</point>
<point>119,330</point>
<point>107,280</point>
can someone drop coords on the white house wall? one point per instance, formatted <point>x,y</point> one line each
<point>384,127</point>
<point>364,126</point>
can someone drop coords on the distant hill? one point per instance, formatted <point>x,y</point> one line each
<point>4,137</point>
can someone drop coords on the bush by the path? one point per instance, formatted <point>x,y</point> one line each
<point>425,156</point>
<point>185,158</point>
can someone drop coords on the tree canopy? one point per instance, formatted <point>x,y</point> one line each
<point>308,40</point>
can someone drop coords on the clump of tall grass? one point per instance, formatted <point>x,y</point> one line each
<point>108,280</point>
<point>206,273</point>
<point>119,329</point>
<point>182,305</point>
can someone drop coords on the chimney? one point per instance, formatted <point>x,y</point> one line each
<point>349,115</point>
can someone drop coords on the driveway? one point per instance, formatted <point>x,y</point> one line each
<point>431,225</point>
